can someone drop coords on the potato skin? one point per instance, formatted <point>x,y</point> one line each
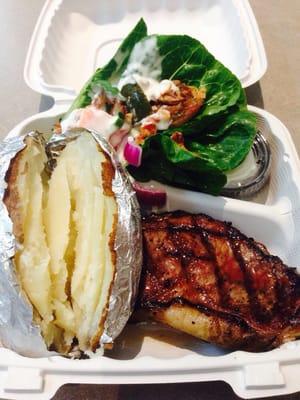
<point>108,173</point>
<point>11,196</point>
<point>13,202</point>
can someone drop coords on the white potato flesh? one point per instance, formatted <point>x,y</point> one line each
<point>66,263</point>
<point>32,260</point>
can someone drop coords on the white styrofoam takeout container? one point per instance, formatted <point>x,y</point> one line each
<point>70,40</point>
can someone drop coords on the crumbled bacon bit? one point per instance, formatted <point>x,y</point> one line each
<point>145,131</point>
<point>178,138</point>
<point>151,128</point>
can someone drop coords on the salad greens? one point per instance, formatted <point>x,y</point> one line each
<point>216,140</point>
<point>115,66</point>
<point>166,161</point>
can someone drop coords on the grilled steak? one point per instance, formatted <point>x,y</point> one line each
<point>206,278</point>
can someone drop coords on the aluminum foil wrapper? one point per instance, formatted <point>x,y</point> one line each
<point>17,329</point>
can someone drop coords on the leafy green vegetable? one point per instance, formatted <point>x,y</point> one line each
<point>216,153</point>
<point>189,61</point>
<point>113,68</point>
<point>106,86</point>
<point>222,132</point>
<point>216,140</point>
<point>234,142</point>
<point>166,161</point>
<point>120,120</point>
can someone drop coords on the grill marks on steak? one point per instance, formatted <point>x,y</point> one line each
<point>250,299</point>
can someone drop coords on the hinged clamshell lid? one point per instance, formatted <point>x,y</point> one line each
<point>72,38</point>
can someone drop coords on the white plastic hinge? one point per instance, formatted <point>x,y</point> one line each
<point>21,379</point>
<point>264,375</point>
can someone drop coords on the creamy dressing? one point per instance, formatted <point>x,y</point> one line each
<point>161,119</point>
<point>91,118</point>
<point>144,61</point>
<point>98,120</point>
<point>144,68</point>
<point>153,89</point>
<point>71,120</point>
<point>247,169</point>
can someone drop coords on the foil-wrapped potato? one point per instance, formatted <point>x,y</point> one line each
<point>65,224</point>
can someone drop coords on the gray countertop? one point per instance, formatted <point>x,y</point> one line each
<point>277,92</point>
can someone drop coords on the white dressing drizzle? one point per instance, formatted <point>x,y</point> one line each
<point>162,119</point>
<point>144,61</point>
<point>71,120</point>
<point>91,118</point>
<point>152,88</point>
<point>144,68</point>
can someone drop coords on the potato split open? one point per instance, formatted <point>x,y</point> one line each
<point>65,226</point>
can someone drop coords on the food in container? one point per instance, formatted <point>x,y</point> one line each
<point>73,213</point>
<point>182,115</point>
<point>180,118</point>
<point>253,173</point>
<point>235,35</point>
<point>204,277</point>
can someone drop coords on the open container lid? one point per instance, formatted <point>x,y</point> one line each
<point>72,38</point>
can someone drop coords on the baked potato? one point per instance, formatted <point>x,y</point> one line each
<point>65,226</point>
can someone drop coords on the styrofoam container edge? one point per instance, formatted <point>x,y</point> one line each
<point>154,363</point>
<point>251,48</point>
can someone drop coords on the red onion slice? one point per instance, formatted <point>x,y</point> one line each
<point>133,153</point>
<point>149,196</point>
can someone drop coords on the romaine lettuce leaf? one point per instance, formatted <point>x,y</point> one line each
<point>113,68</point>
<point>166,161</point>
<point>229,144</point>
<point>216,140</point>
<point>186,59</point>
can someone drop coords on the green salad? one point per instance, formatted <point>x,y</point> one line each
<point>174,113</point>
